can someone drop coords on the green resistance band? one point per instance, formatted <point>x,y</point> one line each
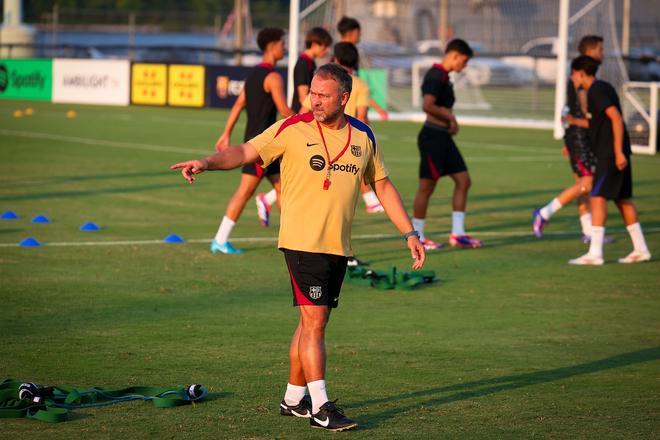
<point>387,280</point>
<point>51,404</point>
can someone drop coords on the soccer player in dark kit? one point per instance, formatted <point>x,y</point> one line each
<point>263,97</point>
<point>581,158</point>
<point>439,155</point>
<point>613,177</point>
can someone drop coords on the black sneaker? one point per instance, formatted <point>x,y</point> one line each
<point>331,418</point>
<point>303,409</point>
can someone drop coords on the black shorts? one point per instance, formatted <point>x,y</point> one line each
<point>581,158</point>
<point>438,153</point>
<point>611,183</point>
<point>316,278</point>
<point>256,170</point>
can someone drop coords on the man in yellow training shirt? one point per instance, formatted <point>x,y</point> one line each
<point>325,155</point>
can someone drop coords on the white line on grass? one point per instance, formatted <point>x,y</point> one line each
<point>103,143</point>
<point>177,150</point>
<point>525,233</point>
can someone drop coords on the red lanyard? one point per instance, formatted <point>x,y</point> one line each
<point>326,182</point>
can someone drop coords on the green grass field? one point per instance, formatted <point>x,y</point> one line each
<point>510,343</point>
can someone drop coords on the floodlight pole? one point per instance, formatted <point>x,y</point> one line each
<point>625,31</point>
<point>294,31</point>
<point>443,22</point>
<point>562,58</point>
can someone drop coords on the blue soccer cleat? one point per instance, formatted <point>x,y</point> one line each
<point>224,248</point>
<point>538,223</point>
<point>263,209</point>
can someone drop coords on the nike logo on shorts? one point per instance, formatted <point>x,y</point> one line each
<point>311,145</point>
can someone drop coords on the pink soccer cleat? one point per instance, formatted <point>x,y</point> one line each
<point>463,241</point>
<point>431,245</point>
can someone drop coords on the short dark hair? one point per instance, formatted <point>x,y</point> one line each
<point>269,35</point>
<point>588,42</point>
<point>319,36</point>
<point>338,73</point>
<point>460,46</point>
<point>347,55</point>
<point>585,64</point>
<point>347,24</point>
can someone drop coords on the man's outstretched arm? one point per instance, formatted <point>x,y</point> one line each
<point>228,159</point>
<point>391,200</point>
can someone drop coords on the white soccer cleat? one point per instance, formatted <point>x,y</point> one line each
<point>635,257</point>
<point>587,260</point>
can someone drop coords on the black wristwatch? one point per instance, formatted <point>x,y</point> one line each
<point>407,235</point>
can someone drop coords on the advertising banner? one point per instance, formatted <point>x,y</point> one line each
<point>149,84</point>
<point>91,81</point>
<point>186,85</point>
<point>224,83</point>
<point>29,79</point>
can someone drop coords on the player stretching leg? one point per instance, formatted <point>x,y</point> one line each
<point>263,95</point>
<point>613,178</point>
<point>439,155</point>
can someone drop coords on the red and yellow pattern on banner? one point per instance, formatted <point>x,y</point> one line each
<point>186,85</point>
<point>149,84</point>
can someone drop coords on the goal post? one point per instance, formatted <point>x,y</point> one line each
<point>640,113</point>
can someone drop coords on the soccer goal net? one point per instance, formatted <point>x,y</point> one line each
<point>640,111</point>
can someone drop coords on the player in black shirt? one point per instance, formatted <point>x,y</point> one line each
<point>317,42</point>
<point>613,177</point>
<point>439,155</point>
<point>581,158</point>
<point>263,97</point>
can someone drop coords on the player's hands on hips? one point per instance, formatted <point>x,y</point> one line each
<point>417,252</point>
<point>222,143</point>
<point>564,151</point>
<point>620,161</point>
<point>453,127</point>
<point>190,168</point>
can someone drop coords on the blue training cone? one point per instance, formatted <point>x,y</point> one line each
<point>90,226</point>
<point>173,238</point>
<point>9,215</point>
<point>41,219</point>
<point>30,242</point>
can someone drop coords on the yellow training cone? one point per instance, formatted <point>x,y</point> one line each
<point>29,111</point>
<point>18,114</point>
<point>71,114</point>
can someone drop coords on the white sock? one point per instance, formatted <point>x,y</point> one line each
<point>550,208</point>
<point>637,237</point>
<point>271,196</point>
<point>418,225</point>
<point>319,396</point>
<point>458,223</point>
<point>596,245</point>
<point>585,221</point>
<point>370,198</point>
<point>294,394</point>
<point>224,230</point>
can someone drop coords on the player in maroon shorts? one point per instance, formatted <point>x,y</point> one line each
<point>581,158</point>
